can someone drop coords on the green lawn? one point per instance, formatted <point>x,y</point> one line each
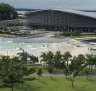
<point>56,84</point>
<point>7,35</point>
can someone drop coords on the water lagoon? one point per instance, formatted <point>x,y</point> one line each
<point>35,46</point>
<point>12,46</point>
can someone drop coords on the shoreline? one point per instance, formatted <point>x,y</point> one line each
<point>75,47</point>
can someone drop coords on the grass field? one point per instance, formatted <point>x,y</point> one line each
<point>7,35</point>
<point>55,84</point>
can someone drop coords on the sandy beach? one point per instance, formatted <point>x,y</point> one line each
<point>63,47</point>
<point>74,48</point>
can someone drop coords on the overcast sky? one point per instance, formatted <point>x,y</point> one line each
<point>53,4</point>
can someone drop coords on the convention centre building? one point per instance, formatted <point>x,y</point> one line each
<point>61,20</point>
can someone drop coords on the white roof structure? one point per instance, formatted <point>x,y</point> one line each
<point>92,43</point>
<point>78,12</point>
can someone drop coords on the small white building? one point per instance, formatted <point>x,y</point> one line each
<point>92,46</point>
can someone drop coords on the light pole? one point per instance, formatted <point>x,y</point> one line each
<point>7,53</point>
<point>63,30</point>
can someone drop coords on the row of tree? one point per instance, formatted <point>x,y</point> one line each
<point>13,70</point>
<point>72,66</point>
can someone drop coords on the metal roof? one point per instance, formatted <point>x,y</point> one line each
<point>77,12</point>
<point>87,14</point>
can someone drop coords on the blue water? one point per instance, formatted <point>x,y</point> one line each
<point>31,45</point>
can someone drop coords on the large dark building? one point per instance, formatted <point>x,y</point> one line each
<point>62,20</point>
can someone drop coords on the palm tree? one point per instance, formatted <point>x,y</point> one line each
<point>23,57</point>
<point>66,58</point>
<point>43,56</point>
<point>58,59</point>
<point>50,59</point>
<point>33,59</point>
<point>67,55</point>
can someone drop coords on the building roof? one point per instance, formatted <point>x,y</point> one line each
<point>87,14</point>
<point>77,12</point>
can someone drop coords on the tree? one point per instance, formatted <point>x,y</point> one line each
<point>50,70</point>
<point>12,71</point>
<point>48,58</point>
<point>58,59</point>
<point>44,57</point>
<point>39,72</point>
<point>87,72</point>
<point>66,58</point>
<point>7,12</point>
<point>33,59</point>
<point>91,62</point>
<point>76,66</point>
<point>23,57</point>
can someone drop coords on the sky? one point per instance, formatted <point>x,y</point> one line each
<point>53,4</point>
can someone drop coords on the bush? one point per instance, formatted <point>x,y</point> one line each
<point>67,33</point>
<point>76,33</point>
<point>14,29</point>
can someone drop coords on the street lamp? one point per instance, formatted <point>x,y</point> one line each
<point>63,30</point>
